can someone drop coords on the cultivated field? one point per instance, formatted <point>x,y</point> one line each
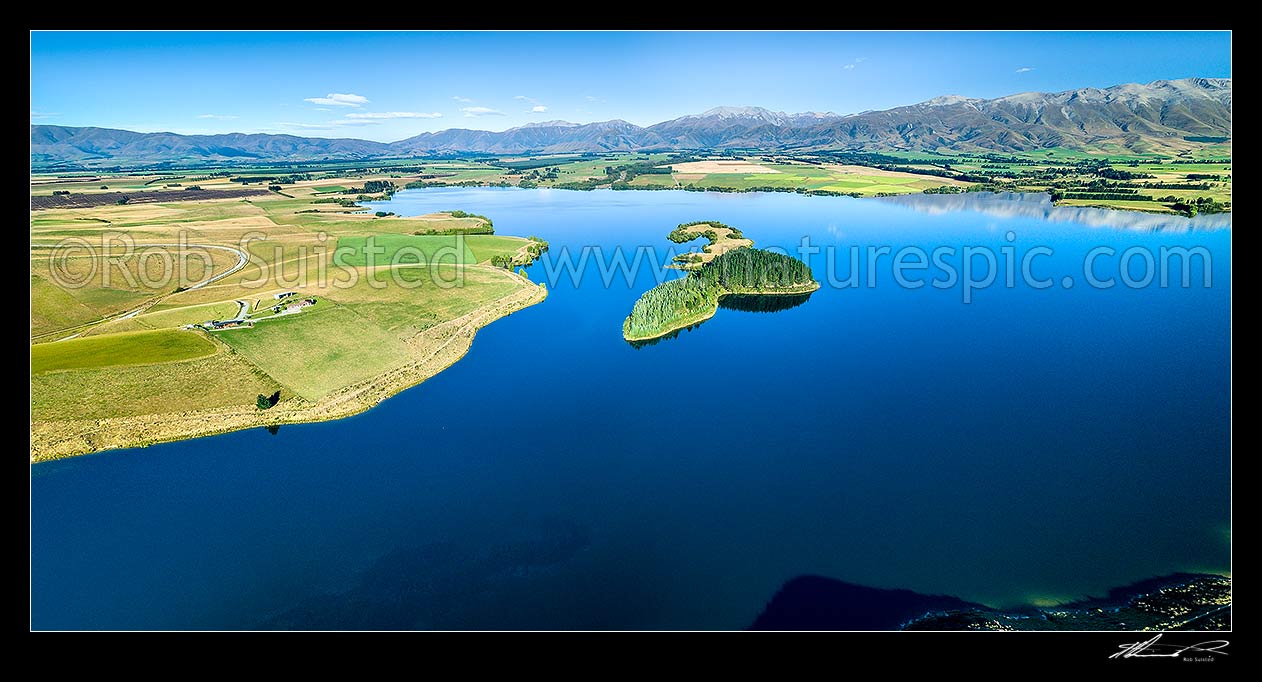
<point>105,198</point>
<point>1071,172</point>
<point>318,188</point>
<point>721,166</point>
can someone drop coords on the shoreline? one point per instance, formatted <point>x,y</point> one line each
<point>54,440</point>
<point>714,311</point>
<point>807,192</point>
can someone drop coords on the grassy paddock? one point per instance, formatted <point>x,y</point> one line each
<point>464,249</point>
<point>404,311</point>
<point>319,351</point>
<point>218,380</point>
<point>130,348</point>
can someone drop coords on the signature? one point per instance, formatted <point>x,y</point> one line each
<point>1154,649</point>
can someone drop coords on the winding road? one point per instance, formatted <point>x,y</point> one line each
<point>242,259</point>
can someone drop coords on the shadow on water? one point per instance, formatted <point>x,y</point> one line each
<point>757,303</point>
<point>438,585</point>
<point>762,303</point>
<point>812,602</point>
<point>664,337</point>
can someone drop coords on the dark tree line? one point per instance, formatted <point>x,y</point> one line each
<point>683,232</point>
<point>466,214</point>
<point>665,304</point>
<point>755,269</point>
<point>1192,207</point>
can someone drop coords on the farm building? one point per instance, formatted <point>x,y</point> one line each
<point>227,324</point>
<point>299,305</point>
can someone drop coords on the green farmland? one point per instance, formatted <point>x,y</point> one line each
<point>402,249</point>
<point>130,348</point>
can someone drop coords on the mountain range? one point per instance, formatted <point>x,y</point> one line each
<point>1165,115</point>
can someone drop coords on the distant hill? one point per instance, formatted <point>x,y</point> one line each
<point>61,144</point>
<point>1159,116</point>
<point>1152,117</point>
<point>604,136</point>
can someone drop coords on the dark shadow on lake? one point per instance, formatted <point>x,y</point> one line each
<point>1176,601</point>
<point>442,585</point>
<point>812,602</point>
<point>762,303</point>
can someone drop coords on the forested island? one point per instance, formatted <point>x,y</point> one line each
<point>727,265</point>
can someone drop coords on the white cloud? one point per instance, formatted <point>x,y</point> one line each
<point>848,67</point>
<point>42,114</point>
<point>473,112</point>
<point>860,60</point>
<point>597,100</point>
<point>305,126</point>
<point>395,114</point>
<point>465,100</point>
<point>538,107</point>
<point>338,99</point>
<point>219,117</point>
<point>854,62</point>
<point>1025,69</point>
<point>328,125</point>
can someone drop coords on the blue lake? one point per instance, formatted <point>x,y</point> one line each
<point>1031,446</point>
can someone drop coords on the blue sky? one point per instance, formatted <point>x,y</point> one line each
<point>388,86</point>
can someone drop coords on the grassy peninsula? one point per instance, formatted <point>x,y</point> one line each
<point>295,292</point>
<point>727,265</point>
<point>721,239</point>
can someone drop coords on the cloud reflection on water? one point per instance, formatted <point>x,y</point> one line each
<point>1014,204</point>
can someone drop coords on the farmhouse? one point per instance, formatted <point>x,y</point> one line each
<point>299,305</point>
<point>226,324</point>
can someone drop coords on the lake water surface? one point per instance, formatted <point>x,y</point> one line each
<point>1031,446</point>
